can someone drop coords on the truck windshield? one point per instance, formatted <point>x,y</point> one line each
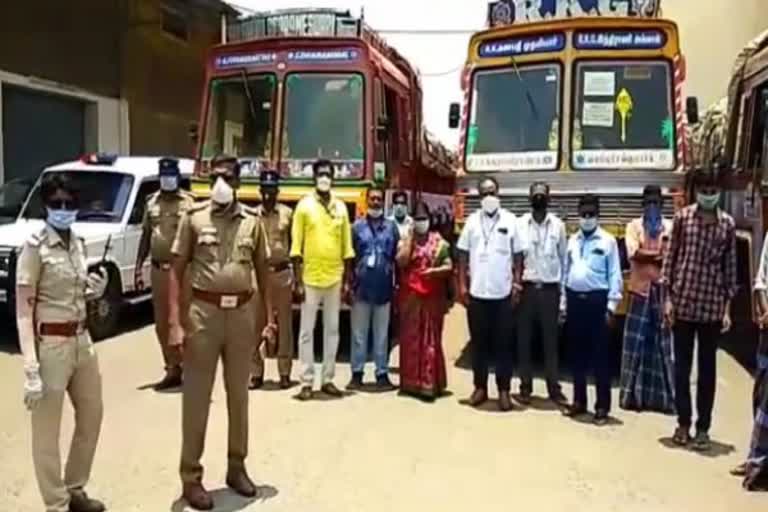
<point>515,119</point>
<point>323,119</point>
<point>623,117</point>
<point>240,116</point>
<point>103,196</point>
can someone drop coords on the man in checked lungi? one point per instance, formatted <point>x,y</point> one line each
<point>647,378</point>
<point>755,469</point>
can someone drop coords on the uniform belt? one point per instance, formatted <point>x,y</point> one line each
<point>223,300</point>
<point>161,265</point>
<point>279,267</point>
<point>540,286</point>
<point>64,329</point>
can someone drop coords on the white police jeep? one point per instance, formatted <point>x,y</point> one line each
<point>113,193</point>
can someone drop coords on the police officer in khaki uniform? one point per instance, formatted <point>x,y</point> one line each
<point>59,357</point>
<point>219,246</point>
<point>276,219</point>
<point>161,221</point>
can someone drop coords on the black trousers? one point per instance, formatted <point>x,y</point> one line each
<point>685,335</point>
<point>587,334</point>
<point>491,327</point>
<point>539,309</point>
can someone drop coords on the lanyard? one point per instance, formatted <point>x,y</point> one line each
<point>487,235</point>
<point>541,246</point>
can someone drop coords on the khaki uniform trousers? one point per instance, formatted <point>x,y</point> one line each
<point>281,290</point>
<point>215,333</point>
<point>67,366</point>
<point>160,308</point>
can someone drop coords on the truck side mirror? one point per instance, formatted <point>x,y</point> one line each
<point>382,129</point>
<point>454,115</point>
<point>692,109</point>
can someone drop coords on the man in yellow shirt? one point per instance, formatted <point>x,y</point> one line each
<point>322,255</point>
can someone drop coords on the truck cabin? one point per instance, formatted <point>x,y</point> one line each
<point>292,86</point>
<point>587,104</point>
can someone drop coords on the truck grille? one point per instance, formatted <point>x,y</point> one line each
<point>614,208</point>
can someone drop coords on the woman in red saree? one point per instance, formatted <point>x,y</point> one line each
<point>425,263</point>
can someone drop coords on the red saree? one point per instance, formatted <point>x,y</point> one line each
<point>422,304</point>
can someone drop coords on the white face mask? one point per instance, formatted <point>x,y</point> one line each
<point>324,183</point>
<point>375,213</point>
<point>169,183</point>
<point>421,226</point>
<point>222,193</point>
<point>490,204</point>
<point>588,224</point>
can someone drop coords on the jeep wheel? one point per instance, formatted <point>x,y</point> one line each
<point>104,313</point>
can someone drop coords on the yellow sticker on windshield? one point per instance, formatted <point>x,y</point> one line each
<point>624,107</point>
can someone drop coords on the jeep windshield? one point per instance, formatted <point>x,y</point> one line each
<point>323,119</point>
<point>103,196</point>
<point>515,119</point>
<point>240,110</point>
<point>623,116</point>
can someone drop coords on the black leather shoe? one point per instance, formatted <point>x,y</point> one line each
<point>239,481</point>
<point>478,397</point>
<point>256,383</point>
<point>171,380</point>
<point>601,418</point>
<point>356,383</point>
<point>80,502</point>
<point>575,410</point>
<point>383,384</point>
<point>505,402</point>
<point>330,389</point>
<point>305,394</point>
<point>197,497</point>
<point>285,382</point>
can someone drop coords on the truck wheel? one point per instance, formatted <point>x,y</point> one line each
<point>104,313</point>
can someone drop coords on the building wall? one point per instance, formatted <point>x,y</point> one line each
<point>163,75</point>
<point>712,32</point>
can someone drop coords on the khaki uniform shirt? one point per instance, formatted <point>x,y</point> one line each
<point>223,249</point>
<point>57,273</point>
<point>277,227</point>
<point>161,221</point>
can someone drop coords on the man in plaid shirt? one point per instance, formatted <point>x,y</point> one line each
<point>700,281</point>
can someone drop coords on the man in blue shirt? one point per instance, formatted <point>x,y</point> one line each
<point>375,240</point>
<point>593,287</point>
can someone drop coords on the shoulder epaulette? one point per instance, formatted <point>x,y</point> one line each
<point>35,239</point>
<point>198,207</point>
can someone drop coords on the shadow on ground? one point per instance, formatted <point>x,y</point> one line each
<point>718,449</point>
<point>226,500</point>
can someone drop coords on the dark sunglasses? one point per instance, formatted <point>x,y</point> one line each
<point>62,204</point>
<point>487,193</point>
<point>226,177</point>
<point>588,215</point>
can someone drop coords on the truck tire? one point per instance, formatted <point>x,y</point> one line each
<point>104,313</point>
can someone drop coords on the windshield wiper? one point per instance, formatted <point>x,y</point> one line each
<point>528,95</point>
<point>247,87</point>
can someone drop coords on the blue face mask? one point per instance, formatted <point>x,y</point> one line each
<point>169,183</point>
<point>652,220</point>
<point>61,219</point>
<point>588,224</point>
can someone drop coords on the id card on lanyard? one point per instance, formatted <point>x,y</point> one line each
<point>371,259</point>
<point>487,235</point>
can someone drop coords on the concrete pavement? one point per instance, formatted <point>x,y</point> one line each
<point>382,452</point>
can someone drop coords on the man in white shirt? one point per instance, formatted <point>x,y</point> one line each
<point>543,242</point>
<point>593,287</point>
<point>400,215</point>
<point>489,285</point>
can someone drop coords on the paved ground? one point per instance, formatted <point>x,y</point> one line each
<point>377,453</point>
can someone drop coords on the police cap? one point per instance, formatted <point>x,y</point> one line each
<point>269,178</point>
<point>168,166</point>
